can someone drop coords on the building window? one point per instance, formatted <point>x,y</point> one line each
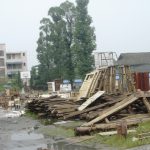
<point>8,56</point>
<point>23,54</point>
<point>24,64</point>
<point>1,62</point>
<point>2,72</point>
<point>13,56</point>
<point>1,53</point>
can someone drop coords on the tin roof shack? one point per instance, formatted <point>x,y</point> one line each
<point>140,66</point>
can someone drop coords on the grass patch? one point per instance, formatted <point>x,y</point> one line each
<point>31,114</point>
<point>35,117</point>
<point>67,130</point>
<point>46,121</point>
<point>120,142</point>
<point>54,130</point>
<point>57,132</point>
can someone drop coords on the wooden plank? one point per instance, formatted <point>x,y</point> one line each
<point>113,109</point>
<point>147,104</point>
<point>95,77</point>
<point>90,109</point>
<point>145,101</point>
<point>83,92</point>
<point>95,83</point>
<point>101,79</point>
<point>114,132</point>
<point>134,120</point>
<point>90,100</point>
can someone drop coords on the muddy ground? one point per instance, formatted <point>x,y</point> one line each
<point>24,133</point>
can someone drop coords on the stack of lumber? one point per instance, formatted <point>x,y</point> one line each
<point>133,109</point>
<point>4,100</point>
<point>53,106</point>
<point>101,102</point>
<point>130,121</point>
<point>104,79</point>
<point>105,113</point>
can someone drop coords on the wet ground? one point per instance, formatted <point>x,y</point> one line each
<point>23,133</point>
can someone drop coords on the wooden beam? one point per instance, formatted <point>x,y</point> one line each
<point>91,100</point>
<point>90,109</point>
<point>112,110</point>
<point>114,132</point>
<point>147,104</point>
<point>132,120</point>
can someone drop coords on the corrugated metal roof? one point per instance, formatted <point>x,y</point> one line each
<point>134,58</point>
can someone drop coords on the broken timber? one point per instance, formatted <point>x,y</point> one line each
<point>131,121</point>
<point>90,100</point>
<point>112,110</point>
<point>90,109</point>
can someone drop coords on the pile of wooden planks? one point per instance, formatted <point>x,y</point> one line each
<point>4,101</point>
<point>103,102</point>
<point>54,107</point>
<point>104,79</point>
<point>132,109</point>
<point>105,113</point>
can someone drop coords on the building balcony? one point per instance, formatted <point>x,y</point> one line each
<point>10,71</point>
<point>14,61</point>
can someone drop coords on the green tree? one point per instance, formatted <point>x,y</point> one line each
<point>69,18</point>
<point>84,39</point>
<point>38,78</point>
<point>17,82</point>
<point>55,42</point>
<point>65,43</point>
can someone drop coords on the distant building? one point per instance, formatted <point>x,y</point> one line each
<point>2,60</point>
<point>103,59</point>
<point>140,67</point>
<point>139,62</point>
<point>15,62</point>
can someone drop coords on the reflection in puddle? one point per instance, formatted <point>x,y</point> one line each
<point>66,146</point>
<point>23,135</point>
<point>30,147</point>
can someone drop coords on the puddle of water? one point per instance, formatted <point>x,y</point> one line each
<point>9,113</point>
<point>30,147</point>
<point>24,135</point>
<point>65,146</point>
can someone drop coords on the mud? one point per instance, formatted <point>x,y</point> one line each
<point>23,133</point>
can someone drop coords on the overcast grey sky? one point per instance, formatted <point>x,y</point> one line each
<point>121,25</point>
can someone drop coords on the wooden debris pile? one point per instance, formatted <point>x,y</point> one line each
<point>103,102</point>
<point>53,106</point>
<point>132,109</point>
<point>4,100</point>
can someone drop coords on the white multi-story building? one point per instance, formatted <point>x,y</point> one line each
<point>3,68</point>
<point>15,62</point>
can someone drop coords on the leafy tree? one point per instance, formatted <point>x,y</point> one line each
<point>65,43</point>
<point>84,38</point>
<point>69,18</point>
<point>55,42</point>
<point>33,77</point>
<point>17,82</point>
<point>38,78</point>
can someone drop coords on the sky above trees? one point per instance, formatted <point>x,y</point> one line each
<point>121,26</point>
